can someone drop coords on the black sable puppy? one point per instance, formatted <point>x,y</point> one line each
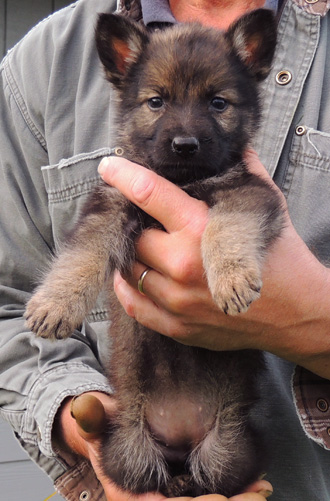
<point>187,109</point>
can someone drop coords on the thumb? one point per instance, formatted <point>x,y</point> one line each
<point>255,166</point>
<point>90,416</point>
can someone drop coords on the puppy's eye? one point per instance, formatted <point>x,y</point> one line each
<point>155,103</point>
<point>219,104</point>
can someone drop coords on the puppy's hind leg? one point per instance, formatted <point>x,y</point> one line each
<point>225,461</point>
<point>132,459</point>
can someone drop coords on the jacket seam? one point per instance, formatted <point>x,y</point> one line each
<point>20,103</point>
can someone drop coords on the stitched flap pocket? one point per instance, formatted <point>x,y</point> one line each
<point>307,188</point>
<point>68,184</point>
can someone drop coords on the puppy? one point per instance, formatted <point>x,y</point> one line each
<point>187,109</point>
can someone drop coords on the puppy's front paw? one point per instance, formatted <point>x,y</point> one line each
<point>50,317</point>
<point>234,287</point>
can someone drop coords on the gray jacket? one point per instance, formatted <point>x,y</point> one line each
<point>56,125</point>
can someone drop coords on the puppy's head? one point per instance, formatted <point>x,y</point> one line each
<point>188,94</point>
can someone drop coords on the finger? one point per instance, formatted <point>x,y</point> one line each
<point>206,497</point>
<point>153,282</point>
<point>152,193</point>
<point>145,310</point>
<point>255,166</point>
<point>173,255</point>
<point>258,491</point>
<point>139,279</point>
<point>262,487</point>
<point>132,300</point>
<point>89,413</point>
<point>249,496</point>
<point>145,250</point>
<point>161,294</point>
<point>114,493</point>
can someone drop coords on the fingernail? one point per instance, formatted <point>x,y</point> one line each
<point>103,165</point>
<point>71,406</point>
<point>89,413</point>
<point>265,493</point>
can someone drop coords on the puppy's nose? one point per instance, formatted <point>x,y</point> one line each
<point>185,146</point>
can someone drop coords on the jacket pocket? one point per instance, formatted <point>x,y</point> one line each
<point>68,185</point>
<point>307,188</point>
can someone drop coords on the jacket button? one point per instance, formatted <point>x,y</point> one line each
<point>300,130</point>
<point>322,405</point>
<point>283,77</point>
<point>84,496</point>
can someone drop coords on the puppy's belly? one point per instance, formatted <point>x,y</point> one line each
<point>178,424</point>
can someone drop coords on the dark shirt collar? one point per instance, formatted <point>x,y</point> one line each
<point>157,11</point>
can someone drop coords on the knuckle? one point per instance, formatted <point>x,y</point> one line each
<point>183,268</point>
<point>130,310</point>
<point>143,188</point>
<point>124,296</point>
<point>175,303</point>
<point>178,301</point>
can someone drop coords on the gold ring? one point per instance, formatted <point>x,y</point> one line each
<point>140,281</point>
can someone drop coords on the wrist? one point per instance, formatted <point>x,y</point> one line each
<point>312,334</point>
<point>300,332</point>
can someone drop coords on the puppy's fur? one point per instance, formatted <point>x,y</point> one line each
<point>187,108</point>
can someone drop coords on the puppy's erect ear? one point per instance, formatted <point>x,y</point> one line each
<point>253,39</point>
<point>120,43</point>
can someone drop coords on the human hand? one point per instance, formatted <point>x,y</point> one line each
<point>178,302</point>
<point>82,421</point>
<point>258,491</point>
<point>80,424</point>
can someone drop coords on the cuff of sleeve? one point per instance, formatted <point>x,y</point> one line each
<point>312,399</point>
<point>80,482</point>
<point>47,395</point>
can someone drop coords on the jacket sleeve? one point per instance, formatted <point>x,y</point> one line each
<point>36,375</point>
<point>312,400</point>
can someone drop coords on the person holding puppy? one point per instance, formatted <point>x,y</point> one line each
<point>48,128</point>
